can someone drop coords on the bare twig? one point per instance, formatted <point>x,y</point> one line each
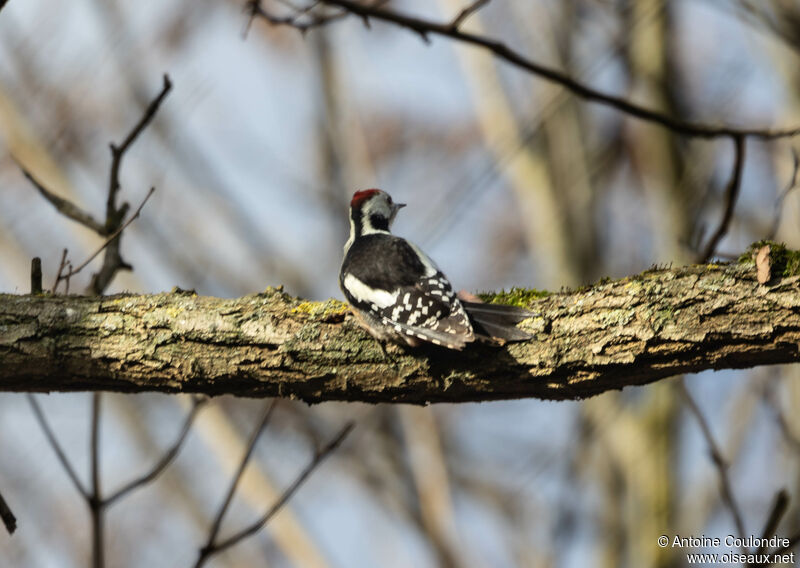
<point>319,457</point>
<point>112,260</point>
<point>779,508</point>
<point>51,439</point>
<point>210,547</point>
<point>36,275</point>
<point>66,207</point>
<point>166,459</point>
<point>8,518</point>
<point>425,27</point>
<point>73,271</point>
<point>118,152</point>
<point>113,226</point>
<point>302,19</point>
<point>771,400</point>
<point>777,512</point>
<point>95,500</point>
<point>61,266</point>
<point>716,456</point>
<point>731,196</point>
<point>113,235</point>
<point>467,12</point>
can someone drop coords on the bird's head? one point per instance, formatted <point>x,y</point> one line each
<point>372,211</point>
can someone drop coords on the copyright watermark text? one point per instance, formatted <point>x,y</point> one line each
<point>731,549</point>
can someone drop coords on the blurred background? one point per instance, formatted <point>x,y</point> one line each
<point>509,181</point>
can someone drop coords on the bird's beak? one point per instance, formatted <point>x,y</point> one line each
<point>398,206</point>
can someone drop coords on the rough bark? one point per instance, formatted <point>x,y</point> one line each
<point>613,334</point>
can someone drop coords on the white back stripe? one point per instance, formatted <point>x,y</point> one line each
<point>363,293</point>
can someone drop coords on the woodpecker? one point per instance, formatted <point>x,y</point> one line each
<point>399,294</point>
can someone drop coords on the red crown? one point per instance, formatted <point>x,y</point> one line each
<point>360,196</point>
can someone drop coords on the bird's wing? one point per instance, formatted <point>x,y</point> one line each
<point>430,311</point>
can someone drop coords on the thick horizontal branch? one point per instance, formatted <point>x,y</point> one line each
<point>625,332</point>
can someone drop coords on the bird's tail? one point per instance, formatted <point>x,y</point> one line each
<point>498,321</point>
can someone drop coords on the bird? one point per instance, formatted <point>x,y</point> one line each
<point>399,295</point>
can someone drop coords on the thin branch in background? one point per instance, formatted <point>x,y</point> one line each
<point>319,457</point>
<point>776,220</point>
<point>95,500</point>
<point>716,456</point>
<point>731,196</point>
<point>779,508</point>
<point>118,152</point>
<point>114,225</point>
<point>771,401</point>
<point>302,19</point>
<point>8,518</point>
<point>36,275</point>
<point>66,207</point>
<point>113,236</point>
<point>166,459</point>
<point>425,27</point>
<point>467,12</point>
<point>210,547</point>
<point>51,439</point>
<point>61,265</point>
<point>778,511</point>
<point>70,272</point>
<point>112,259</point>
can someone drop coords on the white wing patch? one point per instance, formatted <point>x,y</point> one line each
<point>363,293</point>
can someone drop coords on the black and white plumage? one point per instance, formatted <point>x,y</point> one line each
<point>399,293</point>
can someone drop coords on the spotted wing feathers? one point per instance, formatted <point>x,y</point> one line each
<point>430,311</point>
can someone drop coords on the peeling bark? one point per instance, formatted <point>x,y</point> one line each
<point>625,332</point>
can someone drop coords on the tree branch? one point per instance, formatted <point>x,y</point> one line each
<point>114,235</point>
<point>118,152</point>
<point>731,196</point>
<point>36,275</point>
<point>631,331</point>
<point>165,460</point>
<point>112,259</point>
<point>210,548</point>
<point>51,439</point>
<point>424,28</point>
<point>8,518</point>
<point>467,12</point>
<point>726,489</point>
<point>95,500</point>
<point>66,207</point>
<point>778,511</point>
<point>319,457</point>
<point>302,19</point>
